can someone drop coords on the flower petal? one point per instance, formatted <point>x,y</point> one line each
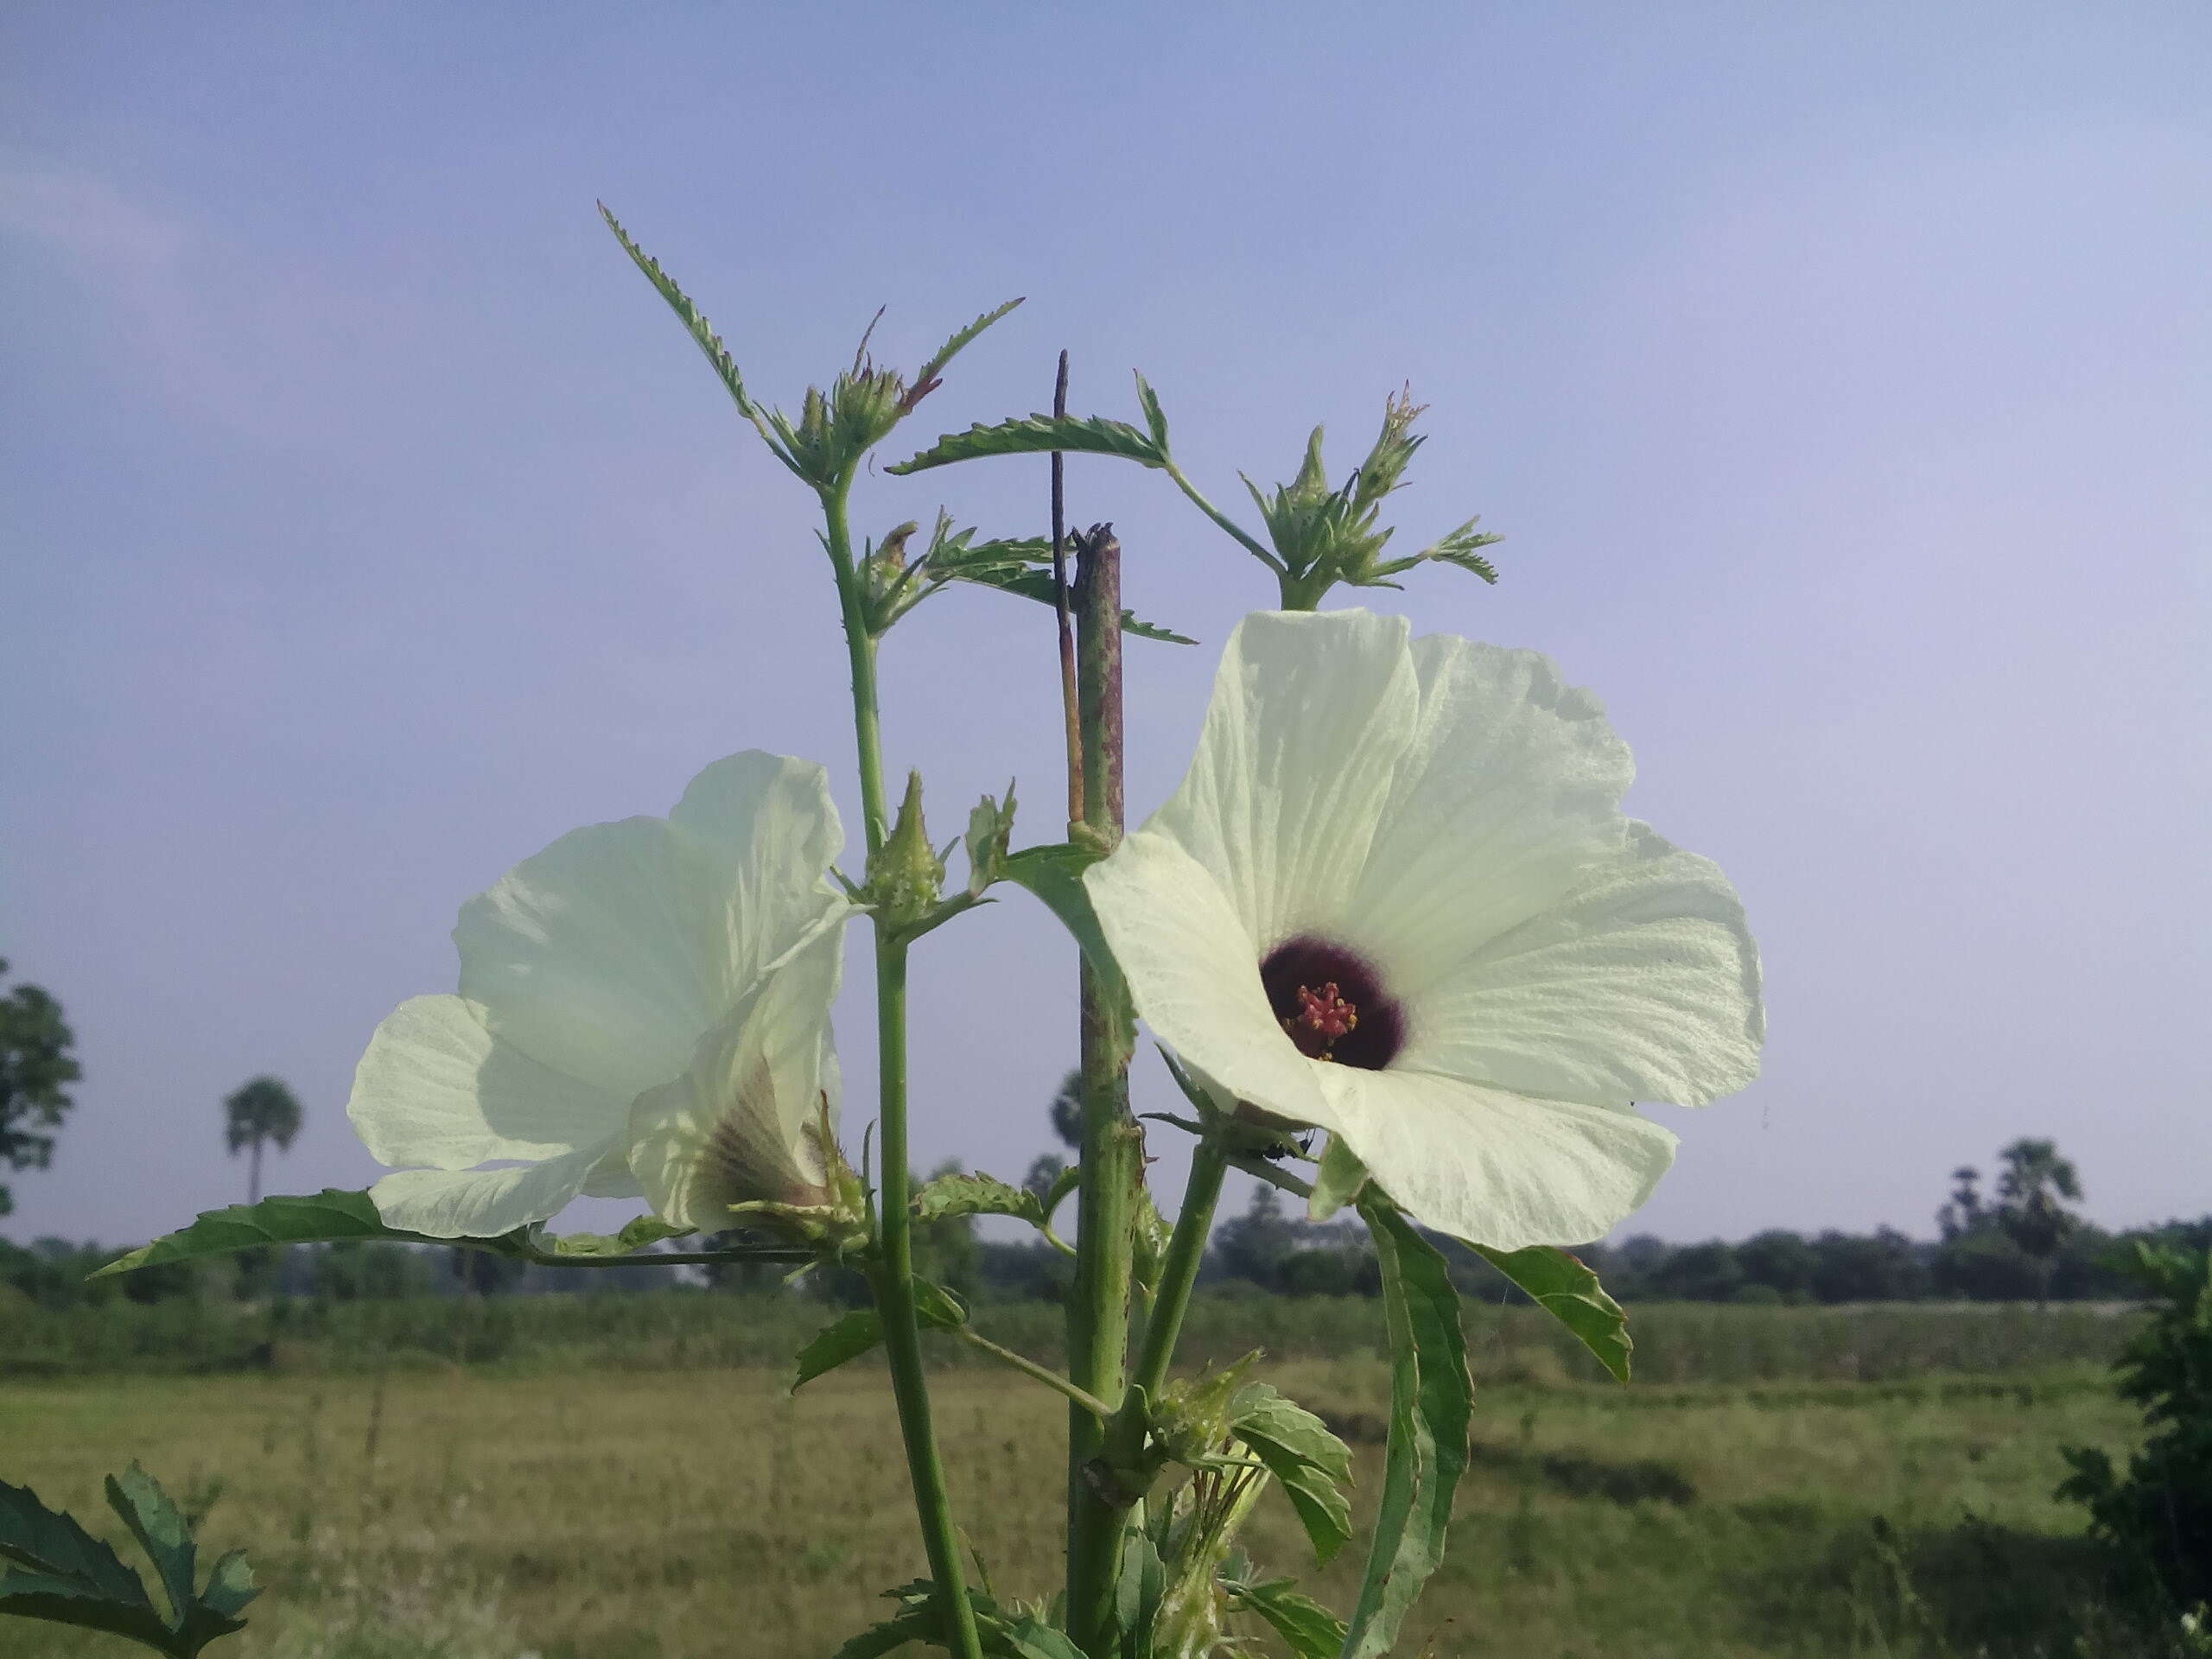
<point>1309,716</point>
<point>484,1202</point>
<point>1507,789</point>
<point>1194,973</point>
<point>435,1088</point>
<point>609,953</point>
<point>1494,1167</point>
<point>739,1125</point>
<point>1641,984</point>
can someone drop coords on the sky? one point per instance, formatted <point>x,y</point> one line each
<point>1840,376</point>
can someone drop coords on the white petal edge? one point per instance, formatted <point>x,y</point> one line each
<point>747,1105</point>
<point>435,1088</point>
<point>1309,715</point>
<point>1194,975</point>
<point>484,1202</point>
<point>1494,1167</point>
<point>1507,789</point>
<point>1641,985</point>
<point>609,954</point>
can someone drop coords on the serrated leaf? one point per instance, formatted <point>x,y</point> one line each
<point>1155,422</point>
<point>692,318</point>
<point>1260,1413</point>
<point>889,1637</point>
<point>158,1525</point>
<point>1306,1460</point>
<point>847,1338</point>
<point>1039,435</point>
<point>1431,1402</point>
<point>1563,1286</point>
<point>946,1197</point>
<point>843,1339</point>
<point>1307,1628</point>
<point>321,1217</point>
<point>53,1546</point>
<point>73,1578</point>
<point>1024,568</point>
<point>925,381</point>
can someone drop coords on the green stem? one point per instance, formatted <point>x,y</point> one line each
<point>1179,1272</point>
<point>1113,1144</point>
<point>860,649</point>
<point>892,1279</point>
<point>1029,1368</point>
<point>1236,532</point>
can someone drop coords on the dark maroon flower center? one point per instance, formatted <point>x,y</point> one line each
<point>1332,1004</point>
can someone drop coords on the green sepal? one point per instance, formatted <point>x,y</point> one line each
<point>64,1575</point>
<point>1304,1456</point>
<point>1431,1409</point>
<point>990,825</point>
<point>1306,1627</point>
<point>853,1334</point>
<point>320,1217</point>
<point>1564,1287</point>
<point>1039,435</point>
<point>1337,1180</point>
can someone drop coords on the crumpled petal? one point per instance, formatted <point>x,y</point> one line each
<point>483,1203</point>
<point>606,955</point>
<point>1494,1167</point>
<point>1643,984</point>
<point>438,1089</point>
<point>742,1124</point>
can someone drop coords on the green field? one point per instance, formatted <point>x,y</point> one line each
<point>1784,1481</point>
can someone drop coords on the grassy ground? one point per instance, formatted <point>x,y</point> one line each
<point>704,1514</point>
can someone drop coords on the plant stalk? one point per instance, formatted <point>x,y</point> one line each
<point>1179,1272</point>
<point>893,1280</point>
<point>1113,1145</point>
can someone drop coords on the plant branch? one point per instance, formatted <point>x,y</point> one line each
<point>1030,1368</point>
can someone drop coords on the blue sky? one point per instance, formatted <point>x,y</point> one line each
<point>1839,376</point>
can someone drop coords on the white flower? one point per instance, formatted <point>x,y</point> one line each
<point>643,1008</point>
<point>1394,899</point>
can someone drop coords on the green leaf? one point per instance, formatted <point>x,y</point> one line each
<point>1039,435</point>
<point>327,1215</point>
<point>1432,1404</point>
<point>889,1637</point>
<point>1303,1456</point>
<point>842,1339</point>
<point>692,318</point>
<point>641,1232</point>
<point>847,1338</point>
<point>925,382</point>
<point>158,1525</point>
<point>1030,1638</point>
<point>1155,422</point>
<point>946,1197</point>
<point>1561,1284</point>
<point>1024,568</point>
<point>65,1576</point>
<point>1136,1597</point>
<point>1307,1628</point>
<point>1259,1413</point>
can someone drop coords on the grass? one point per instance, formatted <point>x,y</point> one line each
<point>702,1513</point>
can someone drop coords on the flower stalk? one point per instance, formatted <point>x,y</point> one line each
<point>892,1277</point>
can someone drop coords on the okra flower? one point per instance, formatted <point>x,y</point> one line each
<point>1394,899</point>
<point>644,1009</point>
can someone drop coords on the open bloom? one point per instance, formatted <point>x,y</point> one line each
<point>1394,899</point>
<point>644,1009</point>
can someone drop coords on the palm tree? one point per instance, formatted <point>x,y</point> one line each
<point>2031,1196</point>
<point>264,1109</point>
